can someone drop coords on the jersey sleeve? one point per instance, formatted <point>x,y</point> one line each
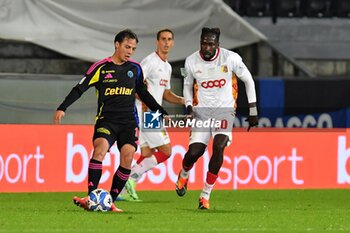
<point>242,72</point>
<point>188,83</point>
<point>90,79</point>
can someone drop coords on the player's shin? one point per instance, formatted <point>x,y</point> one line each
<point>94,174</point>
<point>119,179</point>
<point>208,186</point>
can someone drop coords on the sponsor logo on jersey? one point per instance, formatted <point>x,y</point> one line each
<point>118,91</point>
<point>107,71</point>
<point>110,80</point>
<point>213,83</point>
<point>163,82</point>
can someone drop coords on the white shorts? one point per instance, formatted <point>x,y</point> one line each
<point>203,134</point>
<point>153,139</point>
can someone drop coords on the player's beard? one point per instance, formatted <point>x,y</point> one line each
<point>208,55</point>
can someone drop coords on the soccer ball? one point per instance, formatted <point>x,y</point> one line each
<point>100,200</point>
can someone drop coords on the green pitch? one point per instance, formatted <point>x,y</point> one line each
<point>231,211</point>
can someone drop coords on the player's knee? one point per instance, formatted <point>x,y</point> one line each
<point>98,154</point>
<point>220,142</point>
<point>196,150</point>
<point>126,155</point>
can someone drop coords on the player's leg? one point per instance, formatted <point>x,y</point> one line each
<point>215,163</point>
<point>95,169</point>
<point>121,175</point>
<point>155,149</point>
<point>129,193</point>
<point>195,151</point>
<point>126,144</point>
<point>101,147</point>
<point>151,158</point>
<point>199,139</point>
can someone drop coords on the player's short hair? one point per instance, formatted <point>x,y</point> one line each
<point>165,30</point>
<point>214,31</point>
<point>127,33</point>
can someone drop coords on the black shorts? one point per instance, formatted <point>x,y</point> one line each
<point>122,133</point>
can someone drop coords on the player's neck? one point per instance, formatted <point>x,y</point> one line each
<point>163,56</point>
<point>117,60</point>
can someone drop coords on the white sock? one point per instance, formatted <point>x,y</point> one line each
<point>206,191</point>
<point>138,169</point>
<point>184,174</point>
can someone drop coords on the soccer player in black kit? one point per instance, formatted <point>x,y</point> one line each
<point>117,79</point>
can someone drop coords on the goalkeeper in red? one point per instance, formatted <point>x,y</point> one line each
<point>116,79</point>
<point>210,88</point>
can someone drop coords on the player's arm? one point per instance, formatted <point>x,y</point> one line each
<point>171,97</point>
<point>243,74</point>
<point>188,88</point>
<point>146,97</point>
<point>73,96</point>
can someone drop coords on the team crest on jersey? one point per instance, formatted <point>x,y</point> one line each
<point>224,69</point>
<point>130,74</point>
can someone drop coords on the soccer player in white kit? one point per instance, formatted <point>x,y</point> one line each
<point>209,88</point>
<point>155,146</point>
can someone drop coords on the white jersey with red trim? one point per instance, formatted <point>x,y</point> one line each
<point>214,79</point>
<point>157,74</point>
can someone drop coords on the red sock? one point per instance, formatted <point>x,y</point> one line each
<point>140,159</point>
<point>211,178</point>
<point>160,156</point>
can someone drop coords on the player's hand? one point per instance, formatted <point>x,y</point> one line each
<point>57,117</point>
<point>190,113</point>
<point>253,121</point>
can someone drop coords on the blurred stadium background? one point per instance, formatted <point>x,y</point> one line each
<point>302,46</point>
